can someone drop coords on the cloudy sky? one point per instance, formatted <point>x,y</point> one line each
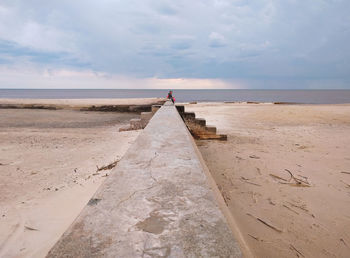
<point>175,44</point>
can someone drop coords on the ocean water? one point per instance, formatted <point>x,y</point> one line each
<point>293,96</point>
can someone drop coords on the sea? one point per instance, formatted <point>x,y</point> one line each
<point>203,95</point>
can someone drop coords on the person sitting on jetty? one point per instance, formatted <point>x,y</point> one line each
<point>170,96</point>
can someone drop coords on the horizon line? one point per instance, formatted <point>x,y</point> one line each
<point>162,89</point>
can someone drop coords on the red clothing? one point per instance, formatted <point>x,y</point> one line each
<point>170,96</point>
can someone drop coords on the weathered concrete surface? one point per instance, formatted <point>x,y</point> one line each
<point>156,203</point>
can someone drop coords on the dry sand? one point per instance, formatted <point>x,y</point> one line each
<point>277,216</point>
<point>48,163</point>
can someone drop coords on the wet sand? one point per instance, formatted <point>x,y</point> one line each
<point>49,162</point>
<point>78,103</point>
<point>300,213</point>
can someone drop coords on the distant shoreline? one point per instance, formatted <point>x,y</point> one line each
<point>208,95</point>
<point>107,105</point>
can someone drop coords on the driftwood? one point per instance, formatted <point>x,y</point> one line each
<point>266,223</point>
<point>347,185</point>
<point>30,228</point>
<point>246,180</point>
<point>343,241</point>
<point>305,177</point>
<point>108,167</point>
<point>297,180</point>
<point>297,184</point>
<point>302,208</point>
<point>297,206</point>
<point>256,238</point>
<point>296,250</point>
<point>344,172</point>
<point>290,209</point>
<point>278,177</point>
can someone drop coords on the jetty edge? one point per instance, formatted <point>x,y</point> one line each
<point>158,202</point>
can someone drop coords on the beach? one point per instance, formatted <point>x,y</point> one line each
<point>51,163</point>
<point>284,173</point>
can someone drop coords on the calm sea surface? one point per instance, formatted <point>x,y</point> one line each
<point>295,96</point>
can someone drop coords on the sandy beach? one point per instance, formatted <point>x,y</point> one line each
<point>284,174</point>
<point>49,169</point>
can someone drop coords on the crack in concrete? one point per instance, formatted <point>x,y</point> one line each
<point>150,167</point>
<point>150,173</point>
<point>163,252</point>
<point>131,195</point>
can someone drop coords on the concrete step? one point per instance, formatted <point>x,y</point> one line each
<point>188,115</point>
<point>145,117</point>
<point>210,136</point>
<point>180,108</point>
<point>200,121</point>
<point>155,108</point>
<point>211,129</point>
<point>141,123</point>
<point>135,124</point>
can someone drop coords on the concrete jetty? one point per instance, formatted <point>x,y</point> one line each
<point>157,202</point>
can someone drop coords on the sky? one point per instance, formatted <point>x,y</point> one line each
<point>245,44</point>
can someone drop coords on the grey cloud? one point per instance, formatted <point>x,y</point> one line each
<point>10,53</point>
<point>221,38</point>
<point>181,44</point>
<point>216,40</point>
<point>167,9</point>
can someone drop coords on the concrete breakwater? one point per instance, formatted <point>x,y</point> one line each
<point>158,202</point>
<point>196,126</point>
